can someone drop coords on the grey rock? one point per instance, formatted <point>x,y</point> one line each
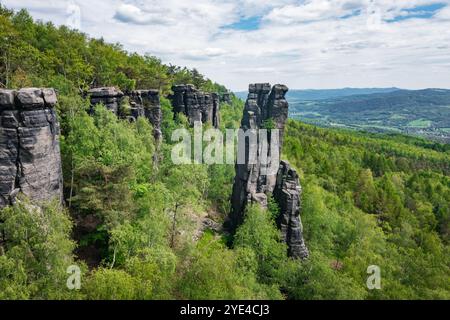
<point>226,98</point>
<point>30,160</point>
<point>287,194</point>
<point>253,182</point>
<point>146,103</point>
<point>7,98</point>
<point>108,96</point>
<point>196,105</point>
<point>30,98</point>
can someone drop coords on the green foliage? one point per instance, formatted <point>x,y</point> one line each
<point>370,201</point>
<point>233,278</point>
<point>268,124</point>
<point>259,233</point>
<point>230,115</point>
<point>424,113</point>
<point>40,54</point>
<point>37,251</point>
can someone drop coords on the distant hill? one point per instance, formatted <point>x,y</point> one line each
<point>313,94</point>
<point>321,94</point>
<point>417,112</point>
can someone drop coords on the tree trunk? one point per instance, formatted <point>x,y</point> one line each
<point>174,226</point>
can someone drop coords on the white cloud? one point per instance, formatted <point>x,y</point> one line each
<point>128,13</point>
<point>304,44</point>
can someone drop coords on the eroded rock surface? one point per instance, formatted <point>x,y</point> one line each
<point>143,103</point>
<point>226,98</point>
<point>267,108</point>
<point>146,103</point>
<point>30,160</point>
<point>108,96</point>
<point>196,105</point>
<point>287,194</point>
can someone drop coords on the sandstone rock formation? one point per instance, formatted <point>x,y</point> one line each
<point>30,160</point>
<point>226,98</point>
<point>287,194</point>
<point>146,103</point>
<point>267,108</point>
<point>109,96</point>
<point>196,105</point>
<point>143,103</point>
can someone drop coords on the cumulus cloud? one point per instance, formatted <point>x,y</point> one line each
<point>128,13</point>
<point>305,44</point>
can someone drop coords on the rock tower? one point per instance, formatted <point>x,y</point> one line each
<point>267,108</point>
<point>30,160</point>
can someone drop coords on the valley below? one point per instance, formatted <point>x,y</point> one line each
<point>424,113</point>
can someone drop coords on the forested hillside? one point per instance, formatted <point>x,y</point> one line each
<point>140,227</point>
<point>423,113</point>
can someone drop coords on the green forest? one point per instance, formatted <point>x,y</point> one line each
<point>131,220</point>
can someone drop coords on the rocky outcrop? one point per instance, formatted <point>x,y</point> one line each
<point>196,105</point>
<point>110,97</point>
<point>143,103</point>
<point>226,98</point>
<point>146,103</point>
<point>30,160</point>
<point>287,194</point>
<point>267,108</point>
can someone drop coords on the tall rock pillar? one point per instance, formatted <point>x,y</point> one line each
<point>30,160</point>
<point>267,108</point>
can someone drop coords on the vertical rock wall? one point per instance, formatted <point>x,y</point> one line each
<point>30,160</point>
<point>196,105</point>
<point>144,103</point>
<point>266,107</point>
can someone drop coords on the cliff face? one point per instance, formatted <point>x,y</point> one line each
<point>196,105</point>
<point>266,107</point>
<point>30,160</point>
<point>144,103</point>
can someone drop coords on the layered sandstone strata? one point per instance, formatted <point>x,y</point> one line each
<point>267,108</point>
<point>30,160</point>
<point>198,106</point>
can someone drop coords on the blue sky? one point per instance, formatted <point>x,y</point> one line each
<point>245,23</point>
<point>302,43</point>
<point>421,12</point>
